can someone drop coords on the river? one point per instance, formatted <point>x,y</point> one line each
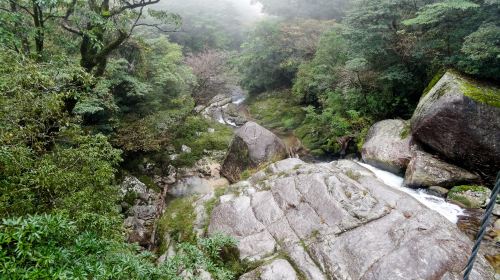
<point>448,210</point>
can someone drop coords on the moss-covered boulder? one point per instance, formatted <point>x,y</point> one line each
<point>387,145</point>
<point>469,196</point>
<point>252,146</point>
<point>460,119</point>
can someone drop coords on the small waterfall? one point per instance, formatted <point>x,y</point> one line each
<point>448,210</point>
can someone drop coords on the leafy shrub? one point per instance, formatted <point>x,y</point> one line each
<point>52,247</point>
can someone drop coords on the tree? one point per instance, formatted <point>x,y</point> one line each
<point>318,9</point>
<point>40,13</point>
<point>446,19</point>
<point>275,49</point>
<point>103,25</point>
<point>208,24</point>
<point>481,50</point>
<point>452,33</point>
<point>209,67</point>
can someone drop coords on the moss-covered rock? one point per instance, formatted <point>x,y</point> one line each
<point>469,196</point>
<point>460,119</point>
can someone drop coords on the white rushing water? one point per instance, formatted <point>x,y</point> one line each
<point>448,210</point>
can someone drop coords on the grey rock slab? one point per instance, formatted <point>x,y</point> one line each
<point>338,221</point>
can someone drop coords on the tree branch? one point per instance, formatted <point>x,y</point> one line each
<point>65,21</point>
<point>131,6</point>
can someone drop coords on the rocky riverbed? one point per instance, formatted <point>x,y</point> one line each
<point>303,218</point>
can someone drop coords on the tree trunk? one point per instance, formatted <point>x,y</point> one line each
<point>39,25</point>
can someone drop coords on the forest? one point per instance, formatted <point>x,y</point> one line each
<point>96,91</point>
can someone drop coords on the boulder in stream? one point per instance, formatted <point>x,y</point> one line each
<point>387,145</point>
<point>252,146</point>
<point>425,170</point>
<point>460,119</point>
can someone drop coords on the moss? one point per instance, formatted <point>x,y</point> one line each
<point>405,132</point>
<point>195,135</point>
<point>130,197</point>
<point>464,188</point>
<point>177,221</point>
<point>353,175</point>
<point>434,81</point>
<point>246,174</point>
<point>481,93</point>
<point>457,194</point>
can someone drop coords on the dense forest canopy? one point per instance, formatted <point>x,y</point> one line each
<point>92,90</point>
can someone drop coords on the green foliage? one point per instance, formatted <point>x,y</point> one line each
<point>215,254</point>
<point>322,9</point>
<point>193,132</point>
<point>317,78</point>
<point>321,132</point>
<point>271,56</point>
<point>177,221</point>
<point>458,19</point>
<point>276,110</point>
<point>481,51</point>
<point>437,12</point>
<point>52,247</point>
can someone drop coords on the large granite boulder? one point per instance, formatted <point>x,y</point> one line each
<point>338,221</point>
<point>425,170</point>
<point>387,145</point>
<point>460,119</point>
<point>252,146</point>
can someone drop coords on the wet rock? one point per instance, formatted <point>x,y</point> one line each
<point>425,170</point>
<point>334,226</point>
<point>387,145</point>
<point>252,146</point>
<point>438,191</point>
<point>460,119</point>
<point>469,196</point>
<point>189,186</point>
<point>278,269</point>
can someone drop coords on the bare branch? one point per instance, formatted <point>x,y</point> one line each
<point>131,6</point>
<point>71,29</point>
<point>135,22</point>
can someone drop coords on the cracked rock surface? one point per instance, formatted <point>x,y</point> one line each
<point>338,221</point>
